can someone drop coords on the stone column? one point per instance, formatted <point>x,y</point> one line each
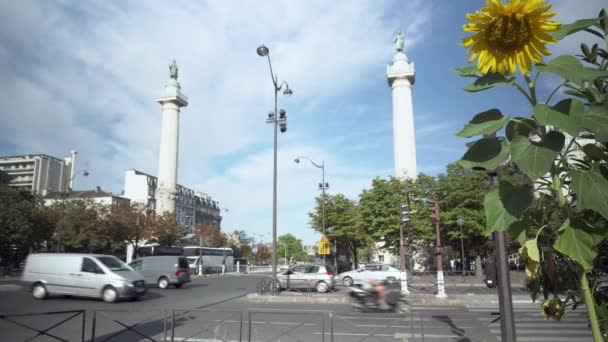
<point>401,77</point>
<point>171,100</point>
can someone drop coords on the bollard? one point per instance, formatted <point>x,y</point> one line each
<point>238,267</point>
<point>404,289</point>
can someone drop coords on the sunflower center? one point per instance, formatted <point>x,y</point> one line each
<point>508,33</point>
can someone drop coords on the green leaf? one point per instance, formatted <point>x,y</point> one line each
<point>520,126</point>
<point>468,71</point>
<point>579,242</point>
<point>591,188</point>
<point>497,218</point>
<point>536,158</point>
<point>568,29</point>
<point>520,228</point>
<point>489,81</point>
<point>596,120</point>
<point>565,115</point>
<point>515,197</point>
<point>571,69</point>
<point>486,154</point>
<point>505,204</point>
<point>595,153</point>
<point>487,122</point>
<point>531,254</point>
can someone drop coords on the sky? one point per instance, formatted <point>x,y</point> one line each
<point>83,75</point>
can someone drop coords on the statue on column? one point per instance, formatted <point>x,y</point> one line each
<point>399,41</point>
<point>173,70</point>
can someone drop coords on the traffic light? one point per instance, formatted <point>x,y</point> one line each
<point>433,208</point>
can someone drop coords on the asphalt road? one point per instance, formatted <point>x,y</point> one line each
<point>212,309</point>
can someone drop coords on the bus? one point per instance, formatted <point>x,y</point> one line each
<point>158,250</point>
<point>213,258</point>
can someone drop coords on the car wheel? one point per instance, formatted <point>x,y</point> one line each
<point>391,279</point>
<point>322,287</point>
<point>163,283</point>
<point>347,281</point>
<point>109,294</point>
<point>39,291</point>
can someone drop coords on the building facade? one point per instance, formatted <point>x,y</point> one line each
<point>192,208</point>
<point>96,196</point>
<point>38,173</point>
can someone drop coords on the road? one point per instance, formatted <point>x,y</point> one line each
<point>212,309</point>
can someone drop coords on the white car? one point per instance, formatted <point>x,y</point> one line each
<point>369,272</point>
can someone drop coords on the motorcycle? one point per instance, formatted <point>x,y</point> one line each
<point>367,299</point>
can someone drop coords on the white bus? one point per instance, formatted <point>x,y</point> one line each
<point>213,258</point>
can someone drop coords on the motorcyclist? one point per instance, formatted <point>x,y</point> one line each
<point>380,291</point>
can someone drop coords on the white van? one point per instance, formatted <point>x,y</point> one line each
<point>89,275</point>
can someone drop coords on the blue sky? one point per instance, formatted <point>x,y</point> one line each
<point>84,74</point>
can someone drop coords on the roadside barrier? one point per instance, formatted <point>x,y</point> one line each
<point>195,325</point>
<point>21,326</point>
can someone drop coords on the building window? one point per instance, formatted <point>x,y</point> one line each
<point>381,258</point>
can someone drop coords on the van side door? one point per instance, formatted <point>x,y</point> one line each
<point>87,281</point>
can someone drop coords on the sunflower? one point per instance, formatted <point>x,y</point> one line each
<point>509,35</point>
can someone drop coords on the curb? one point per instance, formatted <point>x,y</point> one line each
<point>329,299</point>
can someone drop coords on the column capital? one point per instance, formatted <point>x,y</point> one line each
<point>400,68</point>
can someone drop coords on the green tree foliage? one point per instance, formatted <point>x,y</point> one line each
<point>130,222</point>
<point>343,221</point>
<point>462,195</point>
<point>290,248</point>
<point>23,219</point>
<point>80,226</point>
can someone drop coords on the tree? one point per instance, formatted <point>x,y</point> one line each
<point>463,191</point>
<point>165,230</point>
<point>380,209</point>
<point>23,222</point>
<point>80,227</point>
<point>343,222</point>
<point>211,236</point>
<point>290,248</point>
<point>129,222</point>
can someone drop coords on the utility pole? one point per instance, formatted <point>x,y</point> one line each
<point>507,320</point>
<point>434,208</point>
<point>463,260</point>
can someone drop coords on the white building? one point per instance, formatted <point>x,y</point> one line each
<point>39,173</point>
<point>192,208</point>
<point>96,196</point>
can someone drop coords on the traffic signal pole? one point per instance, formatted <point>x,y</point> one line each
<point>440,281</point>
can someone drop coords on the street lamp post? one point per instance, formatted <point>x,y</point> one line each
<point>281,120</point>
<point>66,192</point>
<point>322,186</point>
<point>460,224</point>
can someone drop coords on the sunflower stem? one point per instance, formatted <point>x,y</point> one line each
<point>590,304</point>
<point>523,91</point>
<point>555,91</point>
<point>532,87</point>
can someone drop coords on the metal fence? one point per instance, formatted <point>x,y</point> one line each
<point>202,325</point>
<point>56,326</point>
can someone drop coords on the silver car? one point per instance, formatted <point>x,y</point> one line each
<point>88,275</point>
<point>163,270</point>
<point>369,272</point>
<point>307,277</point>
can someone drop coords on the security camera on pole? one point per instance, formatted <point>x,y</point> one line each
<point>434,209</point>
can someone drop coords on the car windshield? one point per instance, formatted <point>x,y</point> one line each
<point>114,264</point>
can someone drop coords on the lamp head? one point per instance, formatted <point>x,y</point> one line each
<point>297,160</point>
<point>85,173</point>
<point>287,91</point>
<point>262,50</point>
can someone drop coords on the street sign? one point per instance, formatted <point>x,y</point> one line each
<point>323,246</point>
<point>254,250</point>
